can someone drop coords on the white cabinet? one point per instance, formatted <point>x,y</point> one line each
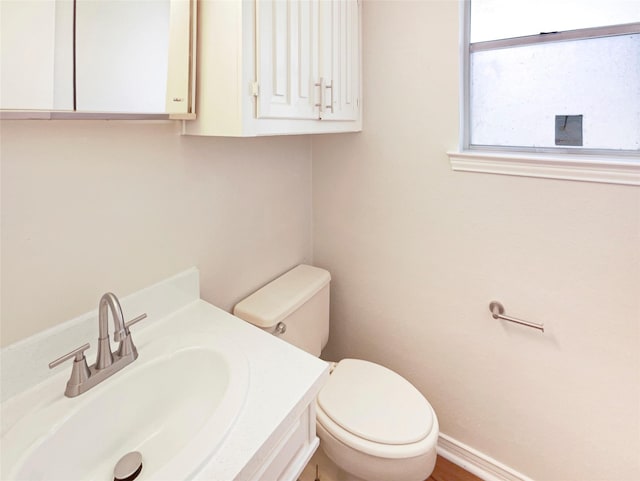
<point>287,62</point>
<point>271,67</point>
<point>340,59</point>
<point>290,455</point>
<point>97,56</point>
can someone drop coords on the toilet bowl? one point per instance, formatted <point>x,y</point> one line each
<point>373,424</point>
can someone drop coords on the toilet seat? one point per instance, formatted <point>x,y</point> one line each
<point>375,410</point>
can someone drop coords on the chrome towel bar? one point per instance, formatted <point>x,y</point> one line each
<point>497,311</point>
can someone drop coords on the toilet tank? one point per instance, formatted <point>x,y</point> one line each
<point>299,299</point>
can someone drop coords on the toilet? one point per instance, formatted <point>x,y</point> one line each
<point>373,424</point>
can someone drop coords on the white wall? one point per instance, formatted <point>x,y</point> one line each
<point>93,206</point>
<point>417,251</point>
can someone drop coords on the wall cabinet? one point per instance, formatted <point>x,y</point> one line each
<point>271,67</point>
<point>96,56</point>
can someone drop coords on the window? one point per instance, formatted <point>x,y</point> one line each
<point>552,85</point>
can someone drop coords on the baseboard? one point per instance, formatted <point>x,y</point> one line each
<point>476,462</point>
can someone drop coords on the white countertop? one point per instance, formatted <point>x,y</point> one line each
<point>283,380</point>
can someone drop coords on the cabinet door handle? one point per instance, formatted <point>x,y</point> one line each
<point>320,103</point>
<point>330,105</point>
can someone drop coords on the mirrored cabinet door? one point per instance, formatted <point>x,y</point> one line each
<point>98,56</point>
<point>36,52</point>
<point>122,55</point>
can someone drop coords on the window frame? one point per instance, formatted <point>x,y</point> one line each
<point>584,164</point>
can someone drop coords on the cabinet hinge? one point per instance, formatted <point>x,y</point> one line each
<point>255,89</point>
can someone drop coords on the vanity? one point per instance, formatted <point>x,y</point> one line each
<point>209,397</point>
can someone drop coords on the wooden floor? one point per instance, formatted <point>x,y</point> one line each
<point>447,471</point>
<point>444,470</point>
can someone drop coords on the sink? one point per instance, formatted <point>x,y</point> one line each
<point>175,405</point>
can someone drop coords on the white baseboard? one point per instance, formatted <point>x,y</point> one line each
<point>476,462</point>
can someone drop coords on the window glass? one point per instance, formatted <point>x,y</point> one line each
<point>569,91</point>
<point>496,19</point>
<point>516,93</point>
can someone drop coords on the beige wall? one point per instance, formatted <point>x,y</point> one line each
<point>93,206</point>
<point>417,251</point>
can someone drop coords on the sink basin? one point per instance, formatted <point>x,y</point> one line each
<point>174,405</point>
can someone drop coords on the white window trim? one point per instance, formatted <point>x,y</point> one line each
<point>605,167</point>
<point>587,168</point>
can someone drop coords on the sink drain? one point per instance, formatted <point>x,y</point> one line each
<point>129,467</point>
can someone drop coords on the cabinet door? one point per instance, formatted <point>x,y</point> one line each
<point>287,58</point>
<point>340,59</point>
<point>122,56</point>
<point>36,51</point>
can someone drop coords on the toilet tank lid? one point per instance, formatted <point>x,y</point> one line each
<point>282,296</point>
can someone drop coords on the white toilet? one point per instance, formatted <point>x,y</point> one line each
<point>372,423</point>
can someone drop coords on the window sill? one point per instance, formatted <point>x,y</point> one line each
<point>610,170</point>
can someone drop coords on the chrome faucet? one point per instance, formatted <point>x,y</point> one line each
<point>107,362</point>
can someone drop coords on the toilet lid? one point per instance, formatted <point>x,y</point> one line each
<point>376,404</point>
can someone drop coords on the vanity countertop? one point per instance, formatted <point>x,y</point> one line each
<point>283,380</point>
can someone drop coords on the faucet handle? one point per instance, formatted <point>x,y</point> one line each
<point>133,321</point>
<point>77,353</point>
<point>126,347</point>
<point>121,335</point>
<point>80,371</point>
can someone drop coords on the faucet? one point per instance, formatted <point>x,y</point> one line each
<point>107,362</point>
<point>121,334</point>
